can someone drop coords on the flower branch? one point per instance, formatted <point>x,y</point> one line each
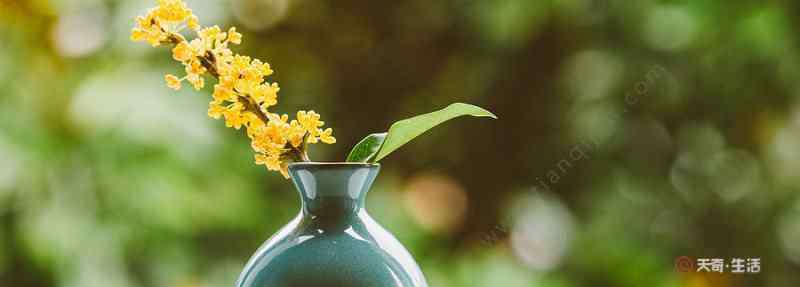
<point>242,96</point>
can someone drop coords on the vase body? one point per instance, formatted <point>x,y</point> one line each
<point>333,242</point>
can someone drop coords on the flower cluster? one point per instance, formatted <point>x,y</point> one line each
<point>242,96</point>
<point>163,21</point>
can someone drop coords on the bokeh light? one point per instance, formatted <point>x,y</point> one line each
<point>789,233</point>
<point>670,27</point>
<point>81,32</point>
<point>437,202</point>
<point>542,232</point>
<point>784,156</point>
<point>260,14</point>
<point>593,74</point>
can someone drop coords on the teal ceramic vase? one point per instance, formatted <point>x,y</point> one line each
<point>333,242</point>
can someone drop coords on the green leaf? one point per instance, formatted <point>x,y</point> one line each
<point>402,132</point>
<point>367,148</point>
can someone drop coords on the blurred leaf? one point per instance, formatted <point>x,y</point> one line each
<point>367,148</point>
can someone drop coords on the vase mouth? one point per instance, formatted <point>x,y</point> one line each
<point>329,164</point>
<point>342,180</point>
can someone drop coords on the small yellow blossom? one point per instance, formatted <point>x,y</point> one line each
<point>194,67</point>
<point>234,37</point>
<point>310,121</point>
<point>233,116</point>
<point>198,46</point>
<point>182,52</point>
<point>210,34</point>
<point>215,110</point>
<point>326,136</point>
<point>266,95</point>
<point>138,35</point>
<point>173,82</point>
<point>161,22</point>
<point>172,10</point>
<point>196,81</point>
<point>222,93</point>
<point>242,96</point>
<point>193,23</point>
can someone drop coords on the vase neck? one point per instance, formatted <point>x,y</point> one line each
<point>333,190</point>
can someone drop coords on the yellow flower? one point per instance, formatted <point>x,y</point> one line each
<point>233,116</point>
<point>153,37</point>
<point>215,110</point>
<point>222,93</point>
<point>198,46</point>
<point>173,82</point>
<point>310,121</point>
<point>160,23</point>
<point>262,68</point>
<point>172,10</point>
<point>244,86</point>
<point>325,136</point>
<point>196,81</point>
<point>234,37</point>
<point>266,95</point>
<point>193,23</point>
<point>194,67</point>
<point>240,62</point>
<point>273,162</point>
<point>182,52</point>
<point>148,29</point>
<point>210,34</point>
<point>271,95</point>
<point>296,134</point>
<point>138,35</point>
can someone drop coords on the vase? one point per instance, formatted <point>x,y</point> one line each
<point>333,241</point>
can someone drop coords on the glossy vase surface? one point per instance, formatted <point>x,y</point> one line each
<point>333,242</point>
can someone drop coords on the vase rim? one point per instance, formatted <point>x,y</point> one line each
<point>332,164</point>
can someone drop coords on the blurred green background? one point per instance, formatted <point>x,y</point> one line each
<point>630,133</point>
